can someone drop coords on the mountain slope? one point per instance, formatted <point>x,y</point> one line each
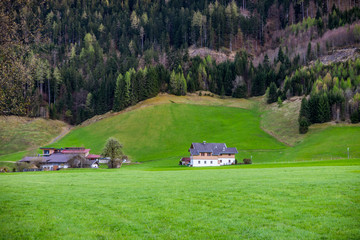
<point>22,133</point>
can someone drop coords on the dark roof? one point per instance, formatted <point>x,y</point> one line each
<point>214,148</point>
<point>59,158</point>
<point>30,159</point>
<point>53,158</point>
<point>186,159</point>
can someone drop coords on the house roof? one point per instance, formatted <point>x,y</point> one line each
<point>75,150</point>
<point>186,159</point>
<point>30,159</point>
<point>93,156</point>
<point>214,148</point>
<point>59,158</point>
<point>53,158</point>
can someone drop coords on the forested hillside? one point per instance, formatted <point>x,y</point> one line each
<point>74,59</point>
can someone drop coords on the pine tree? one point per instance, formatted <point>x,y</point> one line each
<point>182,83</point>
<point>323,109</point>
<point>303,125</point>
<point>313,108</point>
<point>309,53</point>
<point>304,115</point>
<point>272,93</point>
<point>173,83</point>
<point>118,98</point>
<point>304,109</point>
<point>222,92</point>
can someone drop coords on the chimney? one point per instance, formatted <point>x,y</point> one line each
<point>204,142</point>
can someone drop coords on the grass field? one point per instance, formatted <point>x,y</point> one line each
<point>20,135</point>
<point>256,203</point>
<point>167,130</point>
<point>295,192</point>
<point>164,132</point>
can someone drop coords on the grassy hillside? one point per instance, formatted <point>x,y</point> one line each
<point>163,128</point>
<point>167,130</point>
<point>272,203</point>
<point>18,134</point>
<point>282,122</point>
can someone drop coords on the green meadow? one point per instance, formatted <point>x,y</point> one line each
<point>167,131</point>
<point>308,189</point>
<point>163,132</point>
<point>241,203</point>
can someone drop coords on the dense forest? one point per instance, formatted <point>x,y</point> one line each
<point>74,59</point>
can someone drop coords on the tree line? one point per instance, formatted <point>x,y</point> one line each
<point>74,59</point>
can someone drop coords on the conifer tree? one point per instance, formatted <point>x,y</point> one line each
<point>118,98</point>
<point>272,93</point>
<point>309,53</point>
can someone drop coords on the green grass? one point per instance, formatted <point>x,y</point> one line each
<point>261,203</point>
<point>288,193</point>
<point>18,134</point>
<point>282,122</point>
<point>163,131</point>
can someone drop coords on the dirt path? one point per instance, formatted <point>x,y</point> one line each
<point>65,130</point>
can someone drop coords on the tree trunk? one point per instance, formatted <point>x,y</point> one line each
<point>230,45</point>
<point>302,7</point>
<point>205,33</point>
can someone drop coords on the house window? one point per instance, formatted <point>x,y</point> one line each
<point>220,161</point>
<point>46,152</point>
<point>198,162</point>
<point>229,161</point>
<point>204,162</point>
<point>229,154</point>
<point>210,162</point>
<point>202,154</point>
<point>209,154</point>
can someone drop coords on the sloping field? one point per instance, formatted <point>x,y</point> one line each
<point>22,133</point>
<point>167,130</point>
<point>163,129</point>
<point>243,203</point>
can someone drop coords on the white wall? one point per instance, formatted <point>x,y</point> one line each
<point>225,160</point>
<point>205,163</point>
<point>51,166</point>
<point>212,162</point>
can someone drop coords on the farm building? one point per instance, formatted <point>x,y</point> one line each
<point>211,154</point>
<point>184,161</point>
<point>57,158</point>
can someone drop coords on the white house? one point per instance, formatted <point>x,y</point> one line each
<point>211,154</point>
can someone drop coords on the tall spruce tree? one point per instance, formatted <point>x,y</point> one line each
<point>119,96</point>
<point>272,93</point>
